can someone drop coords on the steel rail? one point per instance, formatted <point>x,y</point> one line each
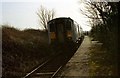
<point>36,69</point>
<point>56,72</point>
<point>28,74</point>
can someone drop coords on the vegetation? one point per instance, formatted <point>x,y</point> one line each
<point>23,50</point>
<point>101,63</point>
<point>104,21</point>
<point>45,16</point>
<point>107,30</point>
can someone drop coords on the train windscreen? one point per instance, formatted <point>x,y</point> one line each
<point>52,27</point>
<point>68,25</point>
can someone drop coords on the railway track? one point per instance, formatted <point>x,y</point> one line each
<point>50,67</point>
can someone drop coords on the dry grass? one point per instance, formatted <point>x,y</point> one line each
<point>22,50</point>
<point>101,62</point>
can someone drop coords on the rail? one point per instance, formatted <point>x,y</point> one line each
<point>49,68</point>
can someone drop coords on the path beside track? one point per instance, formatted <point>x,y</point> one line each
<point>78,64</point>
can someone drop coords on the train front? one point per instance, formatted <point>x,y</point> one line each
<point>60,30</point>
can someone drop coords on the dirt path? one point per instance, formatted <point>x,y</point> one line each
<point>78,64</point>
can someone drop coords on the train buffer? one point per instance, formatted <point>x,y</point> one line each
<point>78,64</point>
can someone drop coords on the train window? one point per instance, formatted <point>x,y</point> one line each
<point>52,27</point>
<point>60,27</point>
<point>68,25</point>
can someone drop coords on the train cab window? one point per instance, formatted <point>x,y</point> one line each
<point>68,25</point>
<point>52,27</point>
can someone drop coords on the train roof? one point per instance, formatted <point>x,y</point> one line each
<point>60,18</point>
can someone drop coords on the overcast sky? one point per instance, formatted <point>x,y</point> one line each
<point>22,14</point>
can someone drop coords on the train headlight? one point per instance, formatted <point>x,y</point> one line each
<point>52,35</point>
<point>69,34</point>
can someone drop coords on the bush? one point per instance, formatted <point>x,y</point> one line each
<point>22,49</point>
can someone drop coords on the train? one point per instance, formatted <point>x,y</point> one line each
<point>64,30</point>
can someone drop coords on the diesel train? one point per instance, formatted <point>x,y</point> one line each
<point>64,30</point>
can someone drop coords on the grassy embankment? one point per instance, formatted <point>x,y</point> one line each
<point>22,50</point>
<point>102,64</point>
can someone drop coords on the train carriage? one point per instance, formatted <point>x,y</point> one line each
<point>63,30</point>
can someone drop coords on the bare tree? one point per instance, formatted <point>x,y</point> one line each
<point>104,20</point>
<point>45,15</point>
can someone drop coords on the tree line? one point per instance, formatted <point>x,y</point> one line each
<point>104,19</point>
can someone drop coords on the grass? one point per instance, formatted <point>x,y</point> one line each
<point>102,63</point>
<point>23,50</point>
